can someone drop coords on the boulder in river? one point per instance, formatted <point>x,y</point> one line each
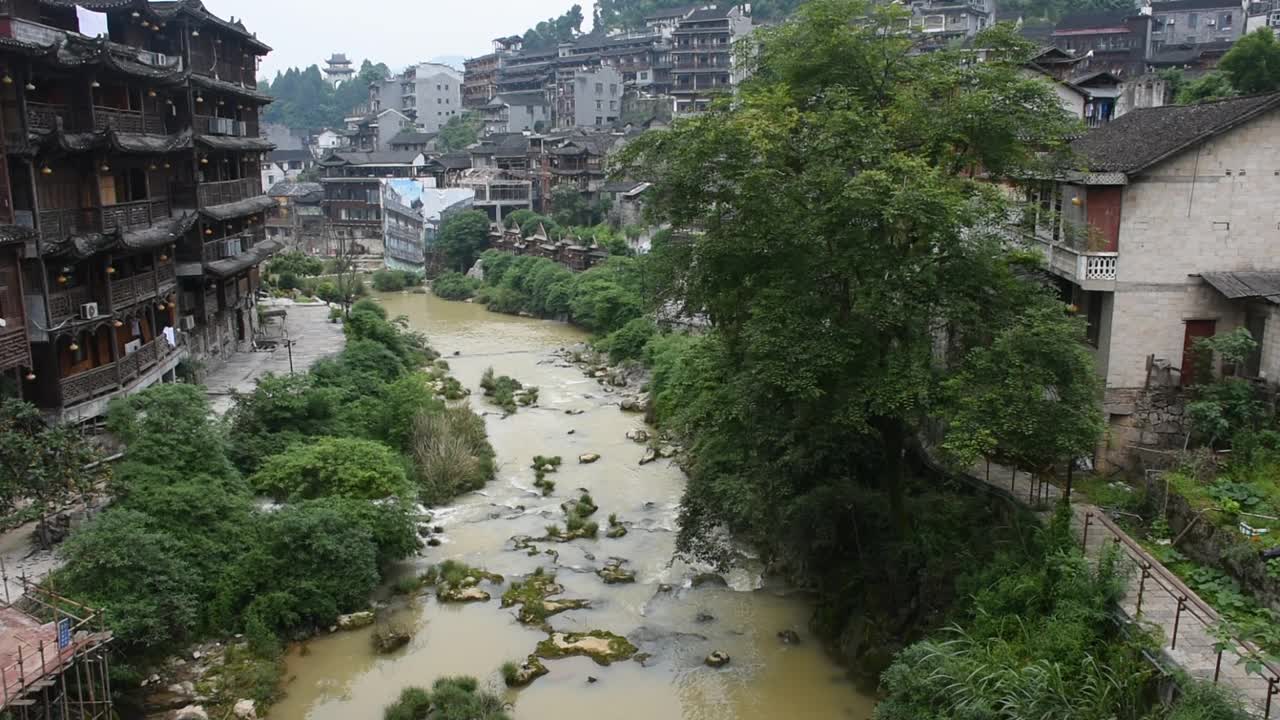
<point>631,404</point>
<point>719,658</point>
<point>600,645</point>
<point>639,435</point>
<point>613,573</point>
<point>463,594</point>
<point>390,638</point>
<point>190,712</point>
<point>650,455</point>
<point>355,620</point>
<point>588,458</point>
<point>245,710</point>
<point>521,675</point>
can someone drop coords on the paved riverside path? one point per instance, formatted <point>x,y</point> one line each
<point>313,337</point>
<point>1187,635</point>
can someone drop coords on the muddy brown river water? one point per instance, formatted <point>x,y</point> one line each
<point>338,677</point>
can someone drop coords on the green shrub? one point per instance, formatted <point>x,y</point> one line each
<point>394,280</point>
<point>333,467</point>
<point>455,286</point>
<point>629,341</point>
<point>295,263</point>
<point>451,453</point>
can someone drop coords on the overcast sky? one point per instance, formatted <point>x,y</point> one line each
<point>397,32</point>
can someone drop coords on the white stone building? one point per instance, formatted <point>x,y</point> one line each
<point>1170,233</point>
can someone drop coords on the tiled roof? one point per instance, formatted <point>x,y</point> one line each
<point>288,188</point>
<point>1184,5</point>
<point>289,155</point>
<point>412,137</point>
<point>1087,21</point>
<point>397,157</point>
<point>1143,137</point>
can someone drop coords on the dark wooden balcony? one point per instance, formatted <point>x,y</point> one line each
<point>134,215</point>
<point>65,304</point>
<point>228,191</point>
<point>106,379</point>
<point>232,72</point>
<point>210,125</point>
<point>56,224</point>
<point>14,349</point>
<point>127,121</point>
<point>232,245</point>
<point>45,117</point>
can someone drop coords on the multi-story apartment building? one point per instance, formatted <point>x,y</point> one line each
<point>516,112</point>
<point>353,195</point>
<point>480,74</point>
<point>946,20</point>
<point>134,160</point>
<point>587,96</point>
<point>429,94</point>
<point>403,229</point>
<point>703,64</point>
<point>1167,234</point>
<point>297,221</point>
<point>1116,42</point>
<point>1196,22</point>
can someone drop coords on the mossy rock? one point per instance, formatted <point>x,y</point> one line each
<point>532,596</point>
<point>613,573</point>
<point>524,674</point>
<point>600,645</point>
<point>615,532</point>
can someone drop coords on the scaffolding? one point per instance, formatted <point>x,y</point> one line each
<point>53,658</point>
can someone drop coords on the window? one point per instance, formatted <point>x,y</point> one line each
<point>613,104</point>
<point>598,104</point>
<point>1193,20</point>
<point>613,89</point>
<point>599,120</point>
<point>1093,331</point>
<point>644,74</point>
<point>599,88</point>
<point>1224,21</point>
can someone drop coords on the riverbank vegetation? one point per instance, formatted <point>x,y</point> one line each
<point>450,698</point>
<point>395,280</point>
<point>184,553</point>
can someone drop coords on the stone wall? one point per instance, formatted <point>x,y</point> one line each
<point>1150,418</point>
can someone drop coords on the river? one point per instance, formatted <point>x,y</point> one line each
<point>338,677</point>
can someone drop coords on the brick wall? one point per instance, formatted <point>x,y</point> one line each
<point>1212,208</point>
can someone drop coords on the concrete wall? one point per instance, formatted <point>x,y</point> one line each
<point>438,89</point>
<point>597,95</point>
<point>1212,208</point>
<point>1182,31</point>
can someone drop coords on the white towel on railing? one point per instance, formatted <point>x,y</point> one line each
<point>171,337</point>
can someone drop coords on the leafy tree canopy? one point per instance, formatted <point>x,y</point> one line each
<point>460,132</point>
<point>333,467</point>
<point>840,233</point>
<point>304,101</point>
<point>463,237</point>
<point>1253,64</point>
<point>551,32</point>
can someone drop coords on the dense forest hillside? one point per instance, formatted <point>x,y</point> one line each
<point>304,100</point>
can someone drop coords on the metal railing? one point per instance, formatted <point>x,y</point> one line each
<point>1154,577</point>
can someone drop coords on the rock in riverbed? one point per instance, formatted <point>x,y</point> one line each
<point>612,573</point>
<point>719,658</point>
<point>599,645</point>
<point>588,458</point>
<point>355,620</point>
<point>527,672</point>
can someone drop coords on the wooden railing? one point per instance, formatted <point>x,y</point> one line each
<point>232,245</point>
<point>57,224</point>
<point>228,191</point>
<point>44,116</point>
<point>133,289</point>
<point>127,121</point>
<point>109,378</point>
<point>14,349</point>
<point>210,125</point>
<point>65,304</point>
<point>90,384</point>
<point>203,64</point>
<point>132,215</point>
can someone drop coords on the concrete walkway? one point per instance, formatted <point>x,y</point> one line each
<point>311,333</point>
<point>1154,596</point>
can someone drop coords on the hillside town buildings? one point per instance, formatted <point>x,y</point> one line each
<point>131,197</point>
<point>1165,235</point>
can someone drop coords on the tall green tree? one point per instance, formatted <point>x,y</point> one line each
<point>459,132</point>
<point>553,31</point>
<point>833,227</point>
<point>463,237</point>
<point>1253,63</point>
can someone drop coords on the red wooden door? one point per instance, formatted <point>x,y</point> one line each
<point>1103,211</point>
<point>1196,329</point>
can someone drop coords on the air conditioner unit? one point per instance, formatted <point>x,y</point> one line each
<point>89,311</point>
<point>187,323</point>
